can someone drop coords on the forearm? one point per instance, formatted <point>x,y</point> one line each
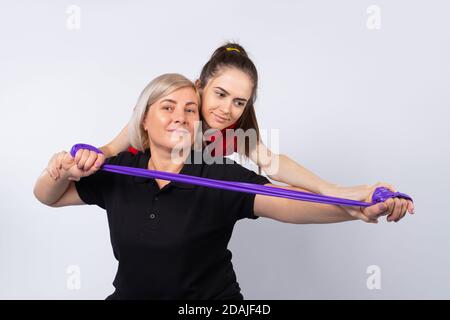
<point>299,212</point>
<point>106,149</point>
<point>111,150</point>
<point>303,212</point>
<point>120,143</point>
<point>48,190</point>
<point>290,172</point>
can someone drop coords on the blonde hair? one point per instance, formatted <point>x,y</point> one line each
<point>158,88</point>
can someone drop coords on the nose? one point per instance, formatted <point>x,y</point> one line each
<point>225,108</point>
<point>179,116</point>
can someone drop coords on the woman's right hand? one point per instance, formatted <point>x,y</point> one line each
<point>87,161</point>
<point>84,164</point>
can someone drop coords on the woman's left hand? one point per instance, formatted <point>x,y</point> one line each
<point>397,207</point>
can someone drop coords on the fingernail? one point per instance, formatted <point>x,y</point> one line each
<point>382,207</point>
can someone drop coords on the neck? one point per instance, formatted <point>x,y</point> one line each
<point>205,126</point>
<point>208,131</point>
<point>162,159</point>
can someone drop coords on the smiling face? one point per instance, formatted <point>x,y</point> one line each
<point>225,97</point>
<point>170,121</point>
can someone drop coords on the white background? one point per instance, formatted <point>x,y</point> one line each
<point>353,105</point>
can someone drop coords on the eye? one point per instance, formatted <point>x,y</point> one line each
<point>170,108</point>
<point>190,110</point>
<point>220,94</point>
<point>240,103</point>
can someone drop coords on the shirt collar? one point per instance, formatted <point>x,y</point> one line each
<point>189,168</point>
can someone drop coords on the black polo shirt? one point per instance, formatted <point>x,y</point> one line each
<point>171,243</point>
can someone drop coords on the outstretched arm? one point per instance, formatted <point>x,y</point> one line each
<point>281,168</point>
<point>303,212</point>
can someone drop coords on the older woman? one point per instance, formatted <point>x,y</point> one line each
<point>171,238</point>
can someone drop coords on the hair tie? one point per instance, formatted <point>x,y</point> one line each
<point>233,49</point>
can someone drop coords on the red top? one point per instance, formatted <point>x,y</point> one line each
<point>228,147</point>
<point>133,150</point>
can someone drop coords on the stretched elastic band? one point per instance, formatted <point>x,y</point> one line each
<point>380,194</point>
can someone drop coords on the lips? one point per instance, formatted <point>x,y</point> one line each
<point>219,118</point>
<point>179,131</point>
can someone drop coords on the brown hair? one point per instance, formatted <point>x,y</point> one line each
<point>234,55</point>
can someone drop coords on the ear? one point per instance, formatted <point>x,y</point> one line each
<point>144,120</point>
<point>198,85</point>
<point>143,123</point>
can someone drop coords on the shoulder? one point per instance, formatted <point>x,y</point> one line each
<point>125,158</point>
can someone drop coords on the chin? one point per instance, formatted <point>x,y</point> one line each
<point>180,144</point>
<point>219,126</point>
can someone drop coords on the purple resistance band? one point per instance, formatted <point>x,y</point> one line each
<point>380,194</point>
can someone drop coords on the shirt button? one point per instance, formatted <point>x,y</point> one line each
<point>156,198</point>
<point>152,216</point>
